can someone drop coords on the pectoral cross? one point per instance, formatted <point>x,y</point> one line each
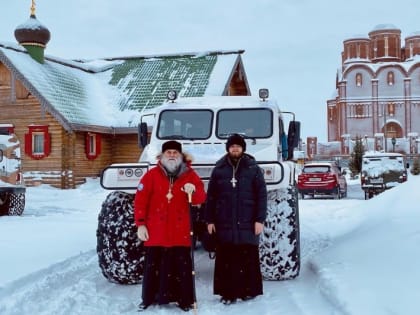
<point>233,181</point>
<point>169,195</point>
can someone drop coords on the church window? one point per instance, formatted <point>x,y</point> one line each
<point>332,113</point>
<point>359,111</point>
<point>391,109</point>
<point>359,79</point>
<point>390,78</point>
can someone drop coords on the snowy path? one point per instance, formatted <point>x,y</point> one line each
<point>75,286</point>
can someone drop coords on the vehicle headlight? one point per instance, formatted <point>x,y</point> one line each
<point>273,173</point>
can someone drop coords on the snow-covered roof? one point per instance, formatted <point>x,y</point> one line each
<point>357,37</point>
<point>407,65</point>
<point>413,34</point>
<point>112,92</point>
<point>381,154</point>
<point>377,163</point>
<point>385,26</point>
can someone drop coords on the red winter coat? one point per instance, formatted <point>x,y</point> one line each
<point>167,222</point>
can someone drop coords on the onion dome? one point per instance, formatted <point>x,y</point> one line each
<point>33,36</point>
<point>32,32</point>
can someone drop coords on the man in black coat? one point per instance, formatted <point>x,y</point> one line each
<point>236,208</point>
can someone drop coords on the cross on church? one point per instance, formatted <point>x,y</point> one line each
<point>33,7</point>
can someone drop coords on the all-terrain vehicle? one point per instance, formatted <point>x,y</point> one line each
<point>12,187</point>
<point>381,171</point>
<point>203,125</point>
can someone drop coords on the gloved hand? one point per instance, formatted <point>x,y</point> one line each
<point>142,233</point>
<point>189,188</point>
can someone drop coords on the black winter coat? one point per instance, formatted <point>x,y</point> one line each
<point>234,210</point>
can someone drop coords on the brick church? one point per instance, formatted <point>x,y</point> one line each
<point>377,93</point>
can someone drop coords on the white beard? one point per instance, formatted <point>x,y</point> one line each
<point>171,164</point>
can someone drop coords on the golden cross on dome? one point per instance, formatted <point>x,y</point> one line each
<point>33,7</point>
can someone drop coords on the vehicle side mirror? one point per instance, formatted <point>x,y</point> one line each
<point>142,135</point>
<point>407,165</point>
<point>293,134</point>
<point>293,137</point>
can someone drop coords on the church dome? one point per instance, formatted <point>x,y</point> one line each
<point>32,32</point>
<point>412,45</point>
<point>385,43</point>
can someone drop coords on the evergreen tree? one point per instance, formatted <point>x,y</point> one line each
<point>355,163</point>
<point>415,169</point>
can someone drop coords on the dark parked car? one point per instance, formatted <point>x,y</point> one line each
<point>322,178</point>
<point>381,171</point>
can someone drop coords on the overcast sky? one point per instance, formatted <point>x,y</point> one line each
<point>292,47</point>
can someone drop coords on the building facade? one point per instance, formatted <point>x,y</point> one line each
<point>378,92</point>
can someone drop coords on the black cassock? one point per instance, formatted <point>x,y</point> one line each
<point>167,276</point>
<point>237,271</point>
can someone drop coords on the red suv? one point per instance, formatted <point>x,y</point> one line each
<point>322,178</point>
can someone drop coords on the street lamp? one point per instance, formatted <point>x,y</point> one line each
<point>393,141</point>
<point>385,130</point>
<point>366,143</point>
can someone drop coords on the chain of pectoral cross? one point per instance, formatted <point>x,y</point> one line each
<point>233,180</point>
<point>169,195</point>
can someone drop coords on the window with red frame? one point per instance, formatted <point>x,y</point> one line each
<point>92,145</point>
<point>38,142</point>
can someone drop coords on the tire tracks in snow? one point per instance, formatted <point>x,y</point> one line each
<point>74,286</point>
<point>314,292</point>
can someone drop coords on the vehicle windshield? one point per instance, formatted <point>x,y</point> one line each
<point>251,123</point>
<point>316,169</point>
<point>185,124</point>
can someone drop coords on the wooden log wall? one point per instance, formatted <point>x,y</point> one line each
<point>67,166</point>
<point>23,113</point>
<point>125,149</point>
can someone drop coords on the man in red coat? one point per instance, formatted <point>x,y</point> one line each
<point>161,213</point>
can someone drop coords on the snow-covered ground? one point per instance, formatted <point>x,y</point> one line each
<point>358,257</point>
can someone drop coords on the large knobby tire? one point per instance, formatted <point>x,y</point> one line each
<point>280,244</point>
<point>12,203</point>
<point>17,203</point>
<point>4,203</point>
<point>120,252</point>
